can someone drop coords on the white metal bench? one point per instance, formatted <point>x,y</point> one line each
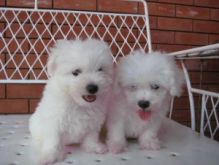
<point>24,46</point>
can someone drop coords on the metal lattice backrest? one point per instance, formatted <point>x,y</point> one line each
<point>27,34</point>
<point>209,123</point>
<point>210,115</point>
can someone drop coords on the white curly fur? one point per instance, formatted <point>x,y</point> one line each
<point>63,117</point>
<point>136,76</point>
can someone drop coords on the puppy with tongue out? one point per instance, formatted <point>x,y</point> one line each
<point>73,106</point>
<point>144,86</point>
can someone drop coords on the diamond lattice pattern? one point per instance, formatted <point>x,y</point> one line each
<point>210,112</point>
<point>27,35</point>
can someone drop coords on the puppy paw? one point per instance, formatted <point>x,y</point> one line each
<point>150,144</point>
<point>51,158</point>
<point>98,148</point>
<point>101,148</point>
<point>117,148</point>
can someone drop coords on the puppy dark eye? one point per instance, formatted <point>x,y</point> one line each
<point>155,86</point>
<point>100,70</point>
<point>76,72</point>
<point>132,87</point>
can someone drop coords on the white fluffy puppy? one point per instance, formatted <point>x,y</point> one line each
<point>142,93</point>
<point>73,106</point>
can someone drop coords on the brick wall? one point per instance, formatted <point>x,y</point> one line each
<point>175,25</point>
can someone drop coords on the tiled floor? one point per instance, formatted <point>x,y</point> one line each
<point>180,146</point>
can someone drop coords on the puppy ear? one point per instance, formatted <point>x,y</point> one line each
<point>177,83</point>
<point>175,79</point>
<point>51,65</point>
<point>54,53</point>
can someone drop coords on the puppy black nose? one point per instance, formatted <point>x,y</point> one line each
<point>92,88</point>
<point>143,104</point>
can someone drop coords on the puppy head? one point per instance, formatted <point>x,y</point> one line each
<point>148,79</point>
<point>83,69</point>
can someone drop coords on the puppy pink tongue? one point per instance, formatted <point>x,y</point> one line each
<point>89,98</point>
<point>144,115</point>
